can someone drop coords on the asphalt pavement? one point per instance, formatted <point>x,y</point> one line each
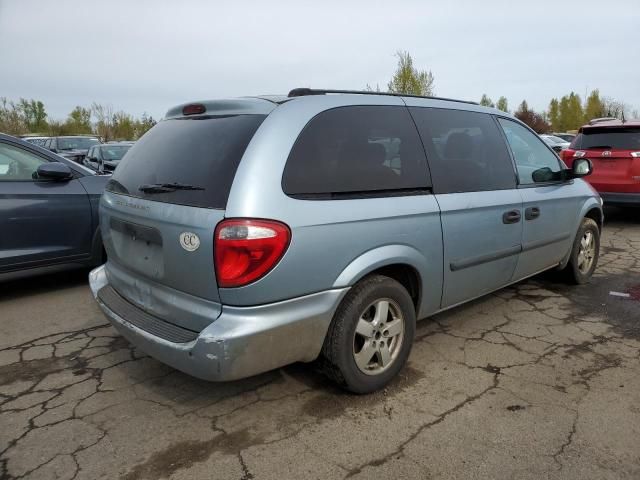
<point>539,380</point>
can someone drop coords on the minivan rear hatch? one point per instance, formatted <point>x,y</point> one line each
<point>160,210</point>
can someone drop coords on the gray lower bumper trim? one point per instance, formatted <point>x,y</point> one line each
<point>142,320</point>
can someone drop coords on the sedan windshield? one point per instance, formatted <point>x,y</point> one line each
<point>76,143</point>
<point>114,153</point>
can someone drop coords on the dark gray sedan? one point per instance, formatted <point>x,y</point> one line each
<point>48,211</point>
<point>104,158</point>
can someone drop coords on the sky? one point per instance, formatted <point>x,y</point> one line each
<point>145,56</point>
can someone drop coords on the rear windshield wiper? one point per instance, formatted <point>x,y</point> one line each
<point>167,187</point>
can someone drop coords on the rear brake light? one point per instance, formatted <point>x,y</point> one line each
<point>579,154</point>
<point>193,109</point>
<point>247,249</point>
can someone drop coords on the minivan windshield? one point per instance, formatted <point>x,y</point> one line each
<point>608,138</point>
<point>199,152</point>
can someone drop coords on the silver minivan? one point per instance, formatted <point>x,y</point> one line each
<point>246,234</point>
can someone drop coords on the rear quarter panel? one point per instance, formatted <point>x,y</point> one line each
<point>334,242</point>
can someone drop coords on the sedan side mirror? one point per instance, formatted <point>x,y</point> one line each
<point>56,171</point>
<point>581,168</point>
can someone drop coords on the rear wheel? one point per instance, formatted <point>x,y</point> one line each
<point>370,336</point>
<point>585,252</point>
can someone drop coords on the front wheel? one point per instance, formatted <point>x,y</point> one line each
<point>585,252</point>
<point>370,336</point>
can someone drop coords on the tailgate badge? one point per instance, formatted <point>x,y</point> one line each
<point>606,153</point>
<point>189,241</point>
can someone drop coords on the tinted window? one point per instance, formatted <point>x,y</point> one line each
<point>359,149</point>
<point>466,151</point>
<point>199,151</point>
<point>535,162</point>
<point>606,138</point>
<point>17,164</point>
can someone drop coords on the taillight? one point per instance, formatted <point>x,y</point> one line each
<point>579,153</point>
<point>567,156</point>
<point>247,249</point>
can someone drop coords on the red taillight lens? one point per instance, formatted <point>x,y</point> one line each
<point>246,249</point>
<point>567,156</point>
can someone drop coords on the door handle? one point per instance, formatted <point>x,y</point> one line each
<point>512,216</point>
<point>532,213</point>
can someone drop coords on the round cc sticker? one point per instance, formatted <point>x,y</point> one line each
<point>189,241</point>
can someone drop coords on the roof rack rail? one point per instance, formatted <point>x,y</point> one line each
<point>593,121</point>
<point>303,92</point>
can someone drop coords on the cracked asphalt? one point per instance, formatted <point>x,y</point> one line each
<point>539,380</point>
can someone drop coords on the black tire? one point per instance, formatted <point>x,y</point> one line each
<point>572,271</point>
<point>338,352</point>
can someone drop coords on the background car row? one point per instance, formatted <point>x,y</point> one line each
<point>86,150</point>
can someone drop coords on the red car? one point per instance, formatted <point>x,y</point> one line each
<point>614,148</point>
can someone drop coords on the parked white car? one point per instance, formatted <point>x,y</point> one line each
<point>556,143</point>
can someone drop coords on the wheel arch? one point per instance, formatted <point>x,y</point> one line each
<point>591,209</point>
<point>400,262</point>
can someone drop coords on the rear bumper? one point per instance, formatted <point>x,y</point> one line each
<point>621,199</point>
<point>241,342</point>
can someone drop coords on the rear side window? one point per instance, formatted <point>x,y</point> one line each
<point>607,138</point>
<point>465,149</point>
<point>198,152</point>
<point>357,150</point>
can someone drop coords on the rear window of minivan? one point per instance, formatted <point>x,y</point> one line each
<point>200,152</point>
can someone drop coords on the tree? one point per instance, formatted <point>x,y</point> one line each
<point>594,107</point>
<point>503,104</point>
<point>486,101</point>
<point>563,114</point>
<point>123,126</point>
<point>104,120</point>
<point>531,118</point>
<point>34,115</point>
<point>570,113</point>
<point>576,113</point>
<point>12,120</point>
<point>407,79</point>
<point>143,125</point>
<point>614,108</point>
<point>554,114</point>
<point>79,120</point>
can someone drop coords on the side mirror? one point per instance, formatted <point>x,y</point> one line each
<point>581,168</point>
<point>56,171</point>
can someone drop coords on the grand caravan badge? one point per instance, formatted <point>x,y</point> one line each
<point>189,241</point>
